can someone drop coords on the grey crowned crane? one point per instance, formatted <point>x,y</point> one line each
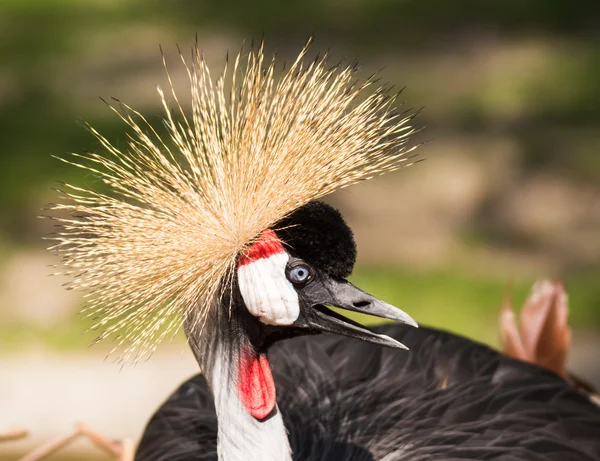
<point>219,230</point>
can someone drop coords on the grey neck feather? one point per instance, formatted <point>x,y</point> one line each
<point>240,436</point>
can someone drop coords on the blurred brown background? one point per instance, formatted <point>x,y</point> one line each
<point>509,191</point>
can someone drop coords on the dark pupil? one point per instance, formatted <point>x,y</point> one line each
<point>299,274</point>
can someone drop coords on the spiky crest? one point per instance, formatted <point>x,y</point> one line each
<point>179,211</point>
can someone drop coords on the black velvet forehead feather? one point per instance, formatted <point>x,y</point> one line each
<point>318,234</point>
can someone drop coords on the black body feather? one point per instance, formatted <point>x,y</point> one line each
<point>448,398</point>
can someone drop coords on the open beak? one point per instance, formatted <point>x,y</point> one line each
<point>343,294</point>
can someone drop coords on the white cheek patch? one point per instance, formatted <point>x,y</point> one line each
<point>266,291</point>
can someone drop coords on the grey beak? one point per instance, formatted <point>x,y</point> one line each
<point>342,294</point>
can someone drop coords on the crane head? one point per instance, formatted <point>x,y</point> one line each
<point>289,276</point>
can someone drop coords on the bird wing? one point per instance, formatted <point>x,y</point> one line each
<point>184,427</point>
<point>447,398</point>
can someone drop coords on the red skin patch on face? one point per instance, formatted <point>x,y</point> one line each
<point>256,386</point>
<point>267,245</point>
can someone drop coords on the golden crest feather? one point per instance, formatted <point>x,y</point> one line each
<point>179,211</point>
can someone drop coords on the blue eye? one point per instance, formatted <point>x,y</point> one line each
<point>298,274</point>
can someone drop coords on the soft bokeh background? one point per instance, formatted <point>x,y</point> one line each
<point>509,191</point>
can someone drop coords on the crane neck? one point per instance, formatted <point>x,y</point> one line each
<point>240,435</point>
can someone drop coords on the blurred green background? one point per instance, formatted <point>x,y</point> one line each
<point>509,191</point>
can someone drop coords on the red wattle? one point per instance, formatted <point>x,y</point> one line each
<point>256,386</point>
